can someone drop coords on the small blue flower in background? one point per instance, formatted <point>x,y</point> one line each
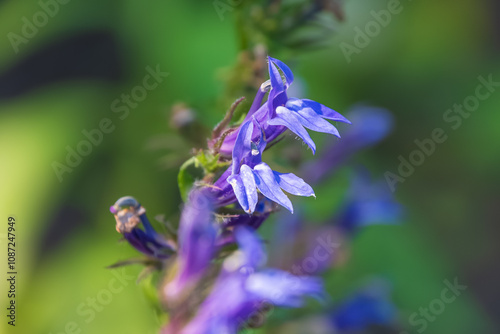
<point>129,214</point>
<point>368,202</point>
<point>369,309</point>
<point>244,290</point>
<point>369,306</point>
<point>370,125</point>
<point>249,173</point>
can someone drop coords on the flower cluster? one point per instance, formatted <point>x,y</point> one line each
<point>244,288</point>
<point>263,124</point>
<point>216,279</point>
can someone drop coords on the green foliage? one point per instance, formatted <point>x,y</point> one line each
<point>204,164</point>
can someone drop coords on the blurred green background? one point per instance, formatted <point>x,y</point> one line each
<point>64,79</point>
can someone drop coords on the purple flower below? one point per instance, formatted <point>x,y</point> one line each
<point>197,234</point>
<point>252,289</point>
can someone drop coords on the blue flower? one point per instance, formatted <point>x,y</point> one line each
<point>368,203</point>
<point>296,114</point>
<point>370,126</point>
<point>246,144</point>
<point>243,290</point>
<point>249,173</point>
<point>281,112</point>
<point>129,214</point>
<point>369,306</point>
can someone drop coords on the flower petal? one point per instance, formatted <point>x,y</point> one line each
<point>277,87</point>
<point>275,76</point>
<point>244,188</point>
<point>293,184</point>
<point>313,121</point>
<point>285,69</point>
<point>242,145</point>
<point>251,246</point>
<point>266,182</point>
<point>197,235</point>
<point>197,232</point>
<point>284,289</point>
<point>261,144</point>
<point>325,111</point>
<point>248,180</point>
<point>290,119</point>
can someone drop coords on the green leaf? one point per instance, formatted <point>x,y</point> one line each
<point>208,161</point>
<point>196,168</point>
<point>185,179</point>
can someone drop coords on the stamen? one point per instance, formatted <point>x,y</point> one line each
<point>266,86</point>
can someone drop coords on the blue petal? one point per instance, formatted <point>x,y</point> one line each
<point>325,111</point>
<point>222,312</point>
<point>242,145</point>
<point>286,70</point>
<point>290,119</point>
<point>284,289</point>
<point>248,180</point>
<point>197,232</point>
<point>251,246</point>
<point>277,87</point>
<point>266,182</point>
<point>139,240</point>
<point>197,235</point>
<point>293,184</point>
<point>261,145</point>
<point>244,188</point>
<point>275,76</point>
<point>313,121</point>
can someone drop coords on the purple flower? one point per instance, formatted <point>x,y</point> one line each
<point>281,112</point>
<point>129,214</point>
<point>197,235</point>
<point>249,173</point>
<point>243,291</point>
